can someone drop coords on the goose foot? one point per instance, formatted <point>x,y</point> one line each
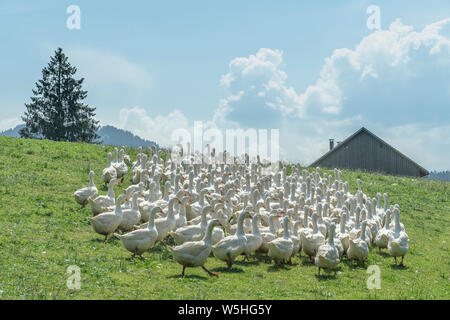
<point>212,274</point>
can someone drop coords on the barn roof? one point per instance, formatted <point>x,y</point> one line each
<point>360,131</point>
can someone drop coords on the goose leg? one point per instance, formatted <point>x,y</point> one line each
<point>106,238</point>
<point>395,258</point>
<point>401,263</point>
<point>258,256</point>
<point>319,271</point>
<point>229,261</point>
<point>182,272</point>
<point>212,274</point>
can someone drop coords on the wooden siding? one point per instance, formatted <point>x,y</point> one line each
<point>366,152</point>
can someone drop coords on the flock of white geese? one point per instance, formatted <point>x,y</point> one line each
<point>239,208</point>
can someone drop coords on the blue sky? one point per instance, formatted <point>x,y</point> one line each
<point>313,70</point>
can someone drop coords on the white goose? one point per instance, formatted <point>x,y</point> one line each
<point>109,172</point>
<point>107,222</point>
<point>280,249</point>
<point>103,203</point>
<point>81,195</point>
<point>230,247</point>
<point>342,235</point>
<point>271,233</point>
<point>384,234</point>
<point>254,240</point>
<point>311,241</point>
<point>327,254</point>
<point>399,241</point>
<point>131,216</point>
<point>192,232</point>
<point>139,241</point>
<point>195,253</point>
<point>358,248</point>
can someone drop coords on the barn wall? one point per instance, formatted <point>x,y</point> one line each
<point>364,152</point>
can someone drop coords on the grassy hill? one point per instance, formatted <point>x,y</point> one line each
<point>43,231</point>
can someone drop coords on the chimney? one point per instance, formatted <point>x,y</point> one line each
<point>331,144</point>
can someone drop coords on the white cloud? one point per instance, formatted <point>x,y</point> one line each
<point>9,123</point>
<point>392,55</point>
<point>256,84</point>
<point>158,128</point>
<point>394,82</point>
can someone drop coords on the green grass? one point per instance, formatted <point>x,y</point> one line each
<point>43,231</point>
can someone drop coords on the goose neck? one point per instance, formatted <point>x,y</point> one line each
<point>111,190</point>
<point>286,233</point>
<point>240,225</point>
<point>255,228</point>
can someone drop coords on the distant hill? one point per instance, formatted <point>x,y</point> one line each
<point>439,175</point>
<point>13,132</point>
<point>108,134</point>
<point>112,136</point>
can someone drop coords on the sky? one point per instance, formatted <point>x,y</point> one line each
<point>314,70</point>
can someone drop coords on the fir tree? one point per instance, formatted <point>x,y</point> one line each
<point>56,111</point>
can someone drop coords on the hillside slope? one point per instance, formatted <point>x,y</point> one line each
<point>109,135</point>
<point>43,232</point>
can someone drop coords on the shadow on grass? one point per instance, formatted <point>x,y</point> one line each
<point>246,263</point>
<point>325,277</point>
<point>102,240</point>
<point>352,264</point>
<point>306,261</point>
<point>226,270</point>
<point>398,267</point>
<point>275,267</point>
<point>187,276</point>
<point>383,254</point>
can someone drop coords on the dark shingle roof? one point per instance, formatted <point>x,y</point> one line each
<point>360,131</point>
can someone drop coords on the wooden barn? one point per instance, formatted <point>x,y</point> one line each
<point>365,151</point>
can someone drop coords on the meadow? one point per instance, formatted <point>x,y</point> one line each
<point>43,231</point>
